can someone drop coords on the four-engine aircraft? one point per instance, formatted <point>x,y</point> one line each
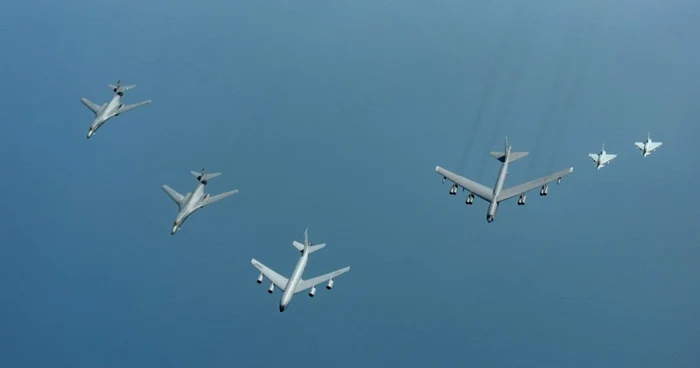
<point>191,202</point>
<point>108,110</point>
<point>497,194</point>
<point>295,284</point>
<point>601,159</point>
<point>647,147</point>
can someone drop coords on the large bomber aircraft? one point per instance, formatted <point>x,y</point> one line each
<point>296,284</point>
<point>108,110</point>
<point>191,202</point>
<point>497,194</point>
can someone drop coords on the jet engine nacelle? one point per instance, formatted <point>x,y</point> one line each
<point>453,190</point>
<point>312,292</point>
<point>522,199</point>
<point>330,284</point>
<point>470,199</point>
<point>272,288</point>
<point>543,191</point>
<point>260,278</point>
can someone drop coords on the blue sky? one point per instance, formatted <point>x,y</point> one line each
<point>333,116</point>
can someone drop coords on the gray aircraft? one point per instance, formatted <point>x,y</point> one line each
<point>295,284</point>
<point>110,109</point>
<point>497,194</point>
<point>191,202</point>
<point>603,158</point>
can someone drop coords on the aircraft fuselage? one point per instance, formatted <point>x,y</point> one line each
<point>193,202</point>
<point>293,281</point>
<point>106,113</point>
<point>500,181</point>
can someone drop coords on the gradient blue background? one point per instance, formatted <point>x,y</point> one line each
<point>332,115</point>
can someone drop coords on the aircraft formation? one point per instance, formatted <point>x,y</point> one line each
<point>193,201</point>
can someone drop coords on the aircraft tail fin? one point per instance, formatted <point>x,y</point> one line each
<point>119,89</point>
<point>307,246</point>
<point>202,177</point>
<point>514,156</point>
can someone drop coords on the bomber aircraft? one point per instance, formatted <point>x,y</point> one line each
<point>497,194</point>
<point>191,202</point>
<point>601,159</point>
<point>296,284</point>
<point>647,147</point>
<point>110,109</point>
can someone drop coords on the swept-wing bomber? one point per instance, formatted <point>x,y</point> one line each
<point>110,109</point>
<point>497,194</point>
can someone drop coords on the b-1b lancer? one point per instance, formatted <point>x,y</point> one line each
<point>647,147</point>
<point>601,159</point>
<point>497,194</point>
<point>191,202</point>
<point>108,110</point>
<point>296,284</point>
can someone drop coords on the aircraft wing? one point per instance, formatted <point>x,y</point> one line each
<point>126,108</point>
<point>654,145</point>
<point>607,158</point>
<point>593,157</point>
<point>91,105</point>
<point>218,197</point>
<point>639,145</point>
<point>174,195</point>
<point>307,284</point>
<point>479,190</point>
<point>522,188</point>
<point>277,279</point>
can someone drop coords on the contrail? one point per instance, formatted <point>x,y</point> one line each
<point>491,76</point>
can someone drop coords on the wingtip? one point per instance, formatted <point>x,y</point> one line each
<point>437,168</point>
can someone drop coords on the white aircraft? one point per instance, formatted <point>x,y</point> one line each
<point>497,194</point>
<point>601,159</point>
<point>295,284</point>
<point>110,109</point>
<point>647,147</point>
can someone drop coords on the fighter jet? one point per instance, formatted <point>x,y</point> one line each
<point>108,110</point>
<point>296,284</point>
<point>497,194</point>
<point>191,202</point>
<point>601,159</point>
<point>647,147</point>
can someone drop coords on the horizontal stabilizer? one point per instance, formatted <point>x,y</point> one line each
<point>514,156</point>
<point>204,177</point>
<point>312,248</point>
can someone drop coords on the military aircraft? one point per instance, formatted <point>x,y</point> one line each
<point>108,110</point>
<point>647,147</point>
<point>601,159</point>
<point>497,194</point>
<point>296,284</point>
<point>191,202</point>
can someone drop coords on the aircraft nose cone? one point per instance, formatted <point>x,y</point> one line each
<point>282,308</point>
<point>89,134</point>
<point>174,230</point>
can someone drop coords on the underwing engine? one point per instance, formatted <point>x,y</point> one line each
<point>312,292</point>
<point>543,191</point>
<point>453,190</point>
<point>522,199</point>
<point>470,199</point>
<point>260,278</point>
<point>330,284</point>
<point>272,288</point>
